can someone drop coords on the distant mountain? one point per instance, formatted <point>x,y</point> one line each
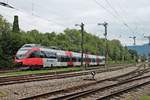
<point>141,49</point>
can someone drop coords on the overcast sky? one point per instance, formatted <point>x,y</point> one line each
<point>56,15</point>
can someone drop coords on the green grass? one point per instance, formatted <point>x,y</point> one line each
<point>120,62</point>
<point>2,94</point>
<point>145,98</point>
<point>17,73</point>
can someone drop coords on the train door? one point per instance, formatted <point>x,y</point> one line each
<point>69,58</point>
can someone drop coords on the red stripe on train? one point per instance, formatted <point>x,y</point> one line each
<point>69,54</point>
<point>33,61</point>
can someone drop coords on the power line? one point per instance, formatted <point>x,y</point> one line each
<point>124,10</point>
<point>47,8</point>
<point>21,10</point>
<point>104,8</point>
<point>114,15</point>
<point>116,12</point>
<point>49,20</point>
<point>121,18</point>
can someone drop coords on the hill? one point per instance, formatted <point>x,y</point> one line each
<point>141,49</point>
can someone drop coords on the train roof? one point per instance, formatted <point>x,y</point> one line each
<point>31,45</point>
<point>59,52</point>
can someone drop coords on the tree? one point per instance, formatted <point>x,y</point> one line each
<point>148,55</point>
<point>134,54</point>
<point>70,39</point>
<point>16,24</point>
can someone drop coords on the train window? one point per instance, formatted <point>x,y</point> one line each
<point>86,59</point>
<point>74,59</point>
<point>67,59</point>
<point>103,59</point>
<point>100,60</point>
<point>93,60</point>
<point>59,58</point>
<point>64,59</point>
<point>37,54</point>
<point>97,60</point>
<point>20,56</point>
<point>80,59</point>
<point>89,59</point>
<point>83,59</point>
<point>27,46</point>
<point>50,54</point>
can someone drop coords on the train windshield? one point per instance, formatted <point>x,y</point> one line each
<point>21,53</point>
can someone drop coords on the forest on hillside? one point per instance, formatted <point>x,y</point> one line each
<point>12,38</point>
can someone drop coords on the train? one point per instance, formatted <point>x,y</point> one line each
<point>37,56</point>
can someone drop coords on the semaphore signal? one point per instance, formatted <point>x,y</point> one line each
<point>148,37</point>
<point>134,39</point>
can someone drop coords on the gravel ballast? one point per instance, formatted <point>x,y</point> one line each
<point>16,91</point>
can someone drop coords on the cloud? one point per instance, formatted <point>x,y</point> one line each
<point>56,15</point>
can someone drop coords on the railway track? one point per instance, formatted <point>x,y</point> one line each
<point>41,77</point>
<point>88,68</point>
<point>106,92</point>
<point>84,89</point>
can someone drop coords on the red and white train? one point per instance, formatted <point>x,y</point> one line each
<point>34,55</point>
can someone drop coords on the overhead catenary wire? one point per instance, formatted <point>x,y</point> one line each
<point>136,19</point>
<point>35,15</point>
<point>61,25</point>
<point>125,23</point>
<point>137,24</point>
<point>48,20</point>
<point>53,21</point>
<point>36,4</point>
<point>104,8</point>
<point>120,17</point>
<point>114,15</point>
<point>116,12</point>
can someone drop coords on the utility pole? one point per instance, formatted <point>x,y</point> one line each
<point>105,24</point>
<point>148,37</point>
<point>82,48</point>
<point>134,39</point>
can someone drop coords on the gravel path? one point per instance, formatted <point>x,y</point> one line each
<point>15,91</point>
